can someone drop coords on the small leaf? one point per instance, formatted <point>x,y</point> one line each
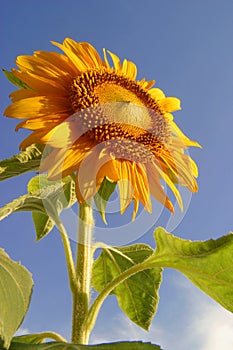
<point>209,264</point>
<point>15,293</point>
<point>43,224</point>
<point>15,81</point>
<point>127,345</point>
<point>38,338</point>
<point>46,199</point>
<point>102,197</point>
<point>62,200</point>
<point>28,339</point>
<point>21,163</point>
<point>138,295</point>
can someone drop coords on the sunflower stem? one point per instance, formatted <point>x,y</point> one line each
<point>83,272</point>
<point>69,257</point>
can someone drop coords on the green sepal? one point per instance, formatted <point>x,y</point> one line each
<point>15,81</point>
<point>101,199</point>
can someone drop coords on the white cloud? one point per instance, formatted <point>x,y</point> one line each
<point>214,327</point>
<point>22,331</point>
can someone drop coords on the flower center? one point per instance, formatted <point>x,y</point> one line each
<point>117,108</point>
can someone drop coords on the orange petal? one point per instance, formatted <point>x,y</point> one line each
<point>156,189</point>
<point>62,162</point>
<point>125,184</point>
<point>141,186</point>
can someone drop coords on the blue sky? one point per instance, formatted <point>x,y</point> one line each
<point>187,47</point>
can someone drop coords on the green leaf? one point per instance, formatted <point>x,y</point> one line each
<point>15,81</point>
<point>138,295</point>
<point>101,199</point>
<point>15,293</point>
<point>38,338</point>
<point>42,223</point>
<point>21,163</point>
<point>62,200</point>
<point>46,199</point>
<point>209,264</point>
<point>28,339</point>
<point>65,346</point>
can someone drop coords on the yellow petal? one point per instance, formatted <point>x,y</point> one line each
<point>181,170</point>
<point>116,61</point>
<point>40,67</point>
<point>157,93</point>
<point>176,130</point>
<point>77,62</point>
<point>94,58</point>
<point>106,59</point>
<point>21,94</point>
<point>41,84</point>
<point>146,84</point>
<point>42,122</point>
<point>129,69</point>
<point>170,104</point>
<point>37,106</point>
<point>61,62</point>
<point>62,162</point>
<point>168,181</point>
<point>86,185</point>
<point>110,170</point>
<point>85,52</point>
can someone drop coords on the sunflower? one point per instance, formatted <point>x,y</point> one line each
<point>102,123</point>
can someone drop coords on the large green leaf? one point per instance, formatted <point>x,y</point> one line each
<point>64,346</point>
<point>209,264</point>
<point>102,197</point>
<point>21,163</point>
<point>46,199</point>
<point>138,295</point>
<point>15,293</point>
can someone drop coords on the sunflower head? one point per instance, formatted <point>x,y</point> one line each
<point>101,122</point>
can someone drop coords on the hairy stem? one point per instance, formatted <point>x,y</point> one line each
<point>69,257</point>
<point>83,272</point>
